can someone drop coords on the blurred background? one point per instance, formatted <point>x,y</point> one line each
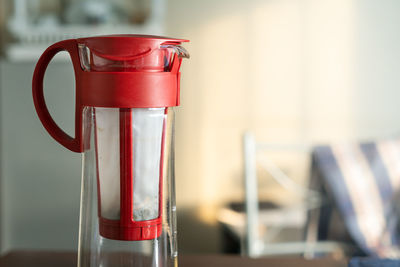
<point>294,74</point>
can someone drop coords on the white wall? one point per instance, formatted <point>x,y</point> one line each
<point>377,80</point>
<point>40,180</point>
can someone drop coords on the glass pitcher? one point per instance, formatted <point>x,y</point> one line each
<point>126,88</point>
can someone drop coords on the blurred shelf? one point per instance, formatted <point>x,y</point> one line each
<point>32,29</point>
<point>33,41</point>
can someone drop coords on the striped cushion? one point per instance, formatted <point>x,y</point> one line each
<point>363,180</point>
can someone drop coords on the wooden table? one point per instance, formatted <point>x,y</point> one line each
<point>68,259</point>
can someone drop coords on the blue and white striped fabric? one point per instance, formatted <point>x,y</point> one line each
<point>363,180</point>
<point>373,262</point>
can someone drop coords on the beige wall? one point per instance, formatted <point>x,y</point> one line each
<point>264,66</point>
<point>288,70</point>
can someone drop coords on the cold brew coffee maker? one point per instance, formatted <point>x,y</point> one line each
<point>126,88</point>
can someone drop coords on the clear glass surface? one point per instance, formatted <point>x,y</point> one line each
<point>152,137</point>
<point>95,250</point>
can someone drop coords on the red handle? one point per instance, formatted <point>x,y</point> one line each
<point>71,46</point>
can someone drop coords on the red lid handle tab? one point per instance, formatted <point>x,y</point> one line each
<point>72,143</point>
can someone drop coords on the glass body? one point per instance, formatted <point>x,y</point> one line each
<point>96,250</point>
<point>128,175</point>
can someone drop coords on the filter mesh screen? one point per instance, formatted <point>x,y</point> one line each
<point>108,157</point>
<point>147,131</point>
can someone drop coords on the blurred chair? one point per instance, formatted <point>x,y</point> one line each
<point>361,181</point>
<point>262,225</point>
<point>351,206</point>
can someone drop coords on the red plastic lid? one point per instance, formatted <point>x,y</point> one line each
<point>125,47</point>
<point>122,73</point>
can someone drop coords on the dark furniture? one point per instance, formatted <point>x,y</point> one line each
<point>68,259</point>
